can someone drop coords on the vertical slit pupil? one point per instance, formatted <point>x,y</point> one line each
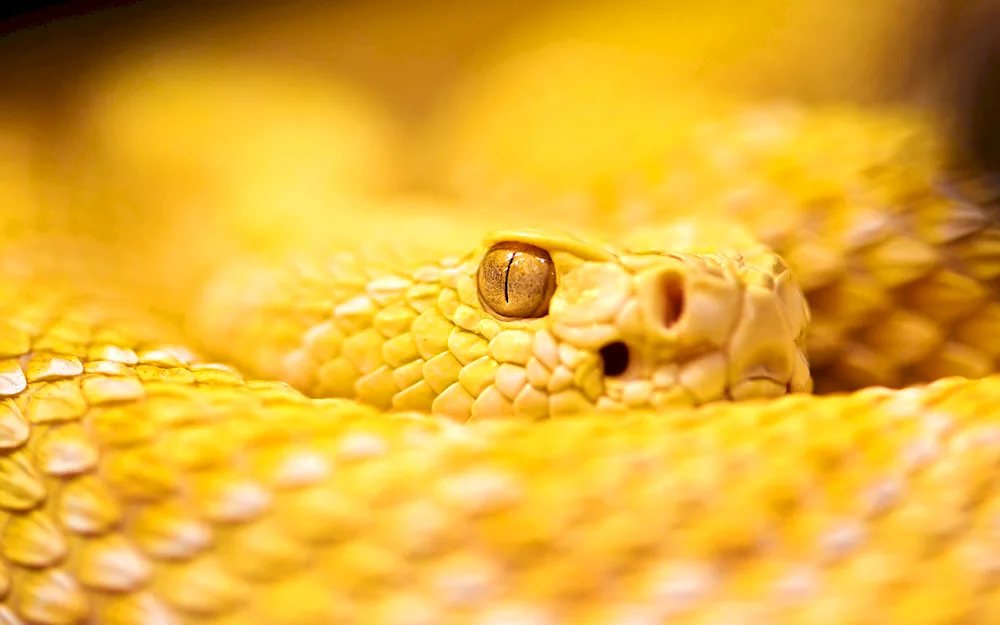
<point>616,357</point>
<point>506,278</point>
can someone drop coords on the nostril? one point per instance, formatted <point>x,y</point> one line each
<point>672,296</point>
<point>615,357</point>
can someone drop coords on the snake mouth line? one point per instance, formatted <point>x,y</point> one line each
<point>621,372</point>
<point>759,387</point>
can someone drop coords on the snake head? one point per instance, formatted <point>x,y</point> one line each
<point>527,324</point>
<point>616,329</point>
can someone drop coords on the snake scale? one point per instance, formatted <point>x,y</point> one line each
<point>601,424</point>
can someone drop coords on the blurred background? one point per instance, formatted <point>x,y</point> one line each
<point>150,107</point>
<point>410,53</point>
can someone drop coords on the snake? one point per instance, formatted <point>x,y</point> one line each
<point>777,408</point>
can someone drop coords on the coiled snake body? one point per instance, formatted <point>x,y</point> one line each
<point>540,428</point>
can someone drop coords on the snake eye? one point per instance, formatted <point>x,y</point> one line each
<point>517,280</point>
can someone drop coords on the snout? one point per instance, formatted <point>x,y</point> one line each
<point>703,328</point>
